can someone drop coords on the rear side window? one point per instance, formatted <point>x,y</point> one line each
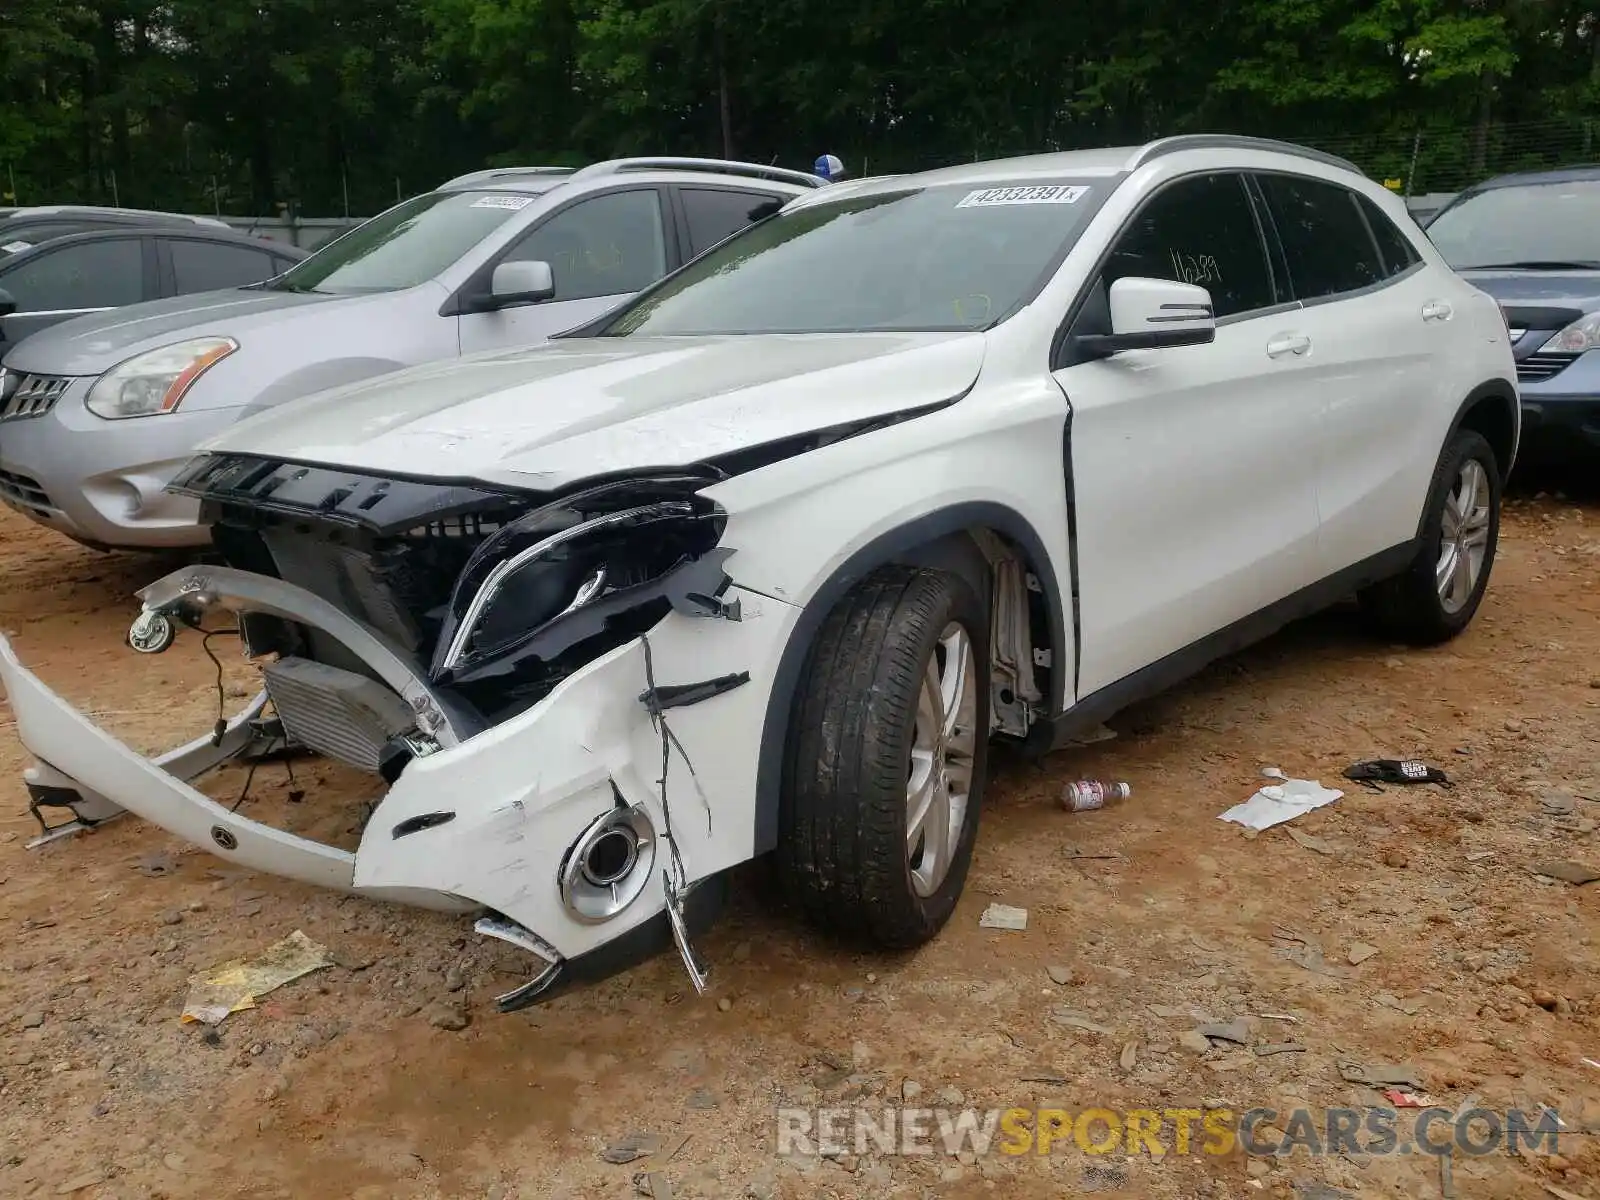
<point>1399,255</point>
<point>1200,231</point>
<point>1324,237</point>
<point>209,266</point>
<point>104,274</point>
<point>714,214</point>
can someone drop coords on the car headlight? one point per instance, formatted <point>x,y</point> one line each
<point>561,574</point>
<point>1583,334</point>
<point>156,381</point>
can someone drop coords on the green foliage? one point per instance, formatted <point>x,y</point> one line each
<point>255,105</point>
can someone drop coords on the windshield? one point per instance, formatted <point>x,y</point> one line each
<point>922,259</point>
<point>1550,225</point>
<point>408,245</point>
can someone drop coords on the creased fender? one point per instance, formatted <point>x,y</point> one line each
<point>885,548</point>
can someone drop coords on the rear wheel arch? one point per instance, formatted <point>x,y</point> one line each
<point>943,540</point>
<point>1491,409</point>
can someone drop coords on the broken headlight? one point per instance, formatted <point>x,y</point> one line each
<point>559,575</point>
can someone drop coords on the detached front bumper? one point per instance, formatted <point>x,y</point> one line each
<point>501,819</point>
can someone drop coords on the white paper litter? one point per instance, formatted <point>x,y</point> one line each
<point>1003,916</point>
<point>1282,802</point>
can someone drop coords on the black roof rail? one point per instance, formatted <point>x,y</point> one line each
<point>1237,141</point>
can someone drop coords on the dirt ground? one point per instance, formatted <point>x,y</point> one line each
<point>1144,919</point>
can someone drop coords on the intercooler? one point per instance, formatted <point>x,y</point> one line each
<point>335,712</point>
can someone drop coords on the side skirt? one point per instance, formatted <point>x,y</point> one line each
<point>1183,664</point>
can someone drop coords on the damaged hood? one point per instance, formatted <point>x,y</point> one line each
<point>545,416</point>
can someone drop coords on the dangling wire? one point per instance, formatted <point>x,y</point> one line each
<point>669,743</point>
<point>220,729</point>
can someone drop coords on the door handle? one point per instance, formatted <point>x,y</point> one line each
<point>1288,343</point>
<point>1437,310</point>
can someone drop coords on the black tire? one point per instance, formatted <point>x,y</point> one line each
<point>1408,608</point>
<point>842,841</point>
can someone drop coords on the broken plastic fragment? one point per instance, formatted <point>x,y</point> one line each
<point>237,985</point>
<point>698,970</point>
<point>1408,1099</point>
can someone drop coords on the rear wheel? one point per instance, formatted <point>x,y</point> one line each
<point>885,759</point>
<point>1436,597</point>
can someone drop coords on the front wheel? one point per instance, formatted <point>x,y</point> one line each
<point>885,759</point>
<point>1436,597</point>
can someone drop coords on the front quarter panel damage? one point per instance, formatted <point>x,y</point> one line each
<point>524,790</point>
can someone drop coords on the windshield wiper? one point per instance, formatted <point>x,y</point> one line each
<point>1550,264</point>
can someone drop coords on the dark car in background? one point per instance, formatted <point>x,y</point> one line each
<point>69,275</point>
<point>22,228</point>
<point>1532,241</point>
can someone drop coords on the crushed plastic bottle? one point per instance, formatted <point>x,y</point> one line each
<point>1086,795</point>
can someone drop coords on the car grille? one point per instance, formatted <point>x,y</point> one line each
<point>24,492</point>
<point>33,396</point>
<point>1538,367</point>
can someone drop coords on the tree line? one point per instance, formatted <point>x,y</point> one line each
<point>329,106</point>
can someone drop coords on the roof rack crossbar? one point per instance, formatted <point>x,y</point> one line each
<point>718,166</point>
<point>493,173</point>
<point>1237,141</point>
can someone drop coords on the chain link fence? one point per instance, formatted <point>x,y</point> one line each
<point>1425,164</point>
<point>1433,160</point>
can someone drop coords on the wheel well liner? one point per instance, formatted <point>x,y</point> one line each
<point>1491,409</point>
<point>892,546</point>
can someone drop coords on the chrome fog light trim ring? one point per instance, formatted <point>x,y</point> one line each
<point>609,865</point>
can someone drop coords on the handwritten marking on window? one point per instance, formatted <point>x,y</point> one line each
<point>1195,268</point>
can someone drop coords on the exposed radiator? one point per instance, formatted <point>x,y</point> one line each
<point>336,712</point>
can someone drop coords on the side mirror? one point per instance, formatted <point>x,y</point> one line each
<point>1154,314</point>
<point>8,303</point>
<point>521,283</point>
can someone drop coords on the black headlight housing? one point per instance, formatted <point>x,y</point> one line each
<point>565,572</point>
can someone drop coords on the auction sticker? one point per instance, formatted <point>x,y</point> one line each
<point>1049,193</point>
<point>509,203</point>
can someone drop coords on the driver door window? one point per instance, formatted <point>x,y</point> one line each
<point>608,245</point>
<point>1201,231</point>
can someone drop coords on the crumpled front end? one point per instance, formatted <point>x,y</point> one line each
<point>565,696</point>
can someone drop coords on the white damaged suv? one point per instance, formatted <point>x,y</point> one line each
<point>762,561</point>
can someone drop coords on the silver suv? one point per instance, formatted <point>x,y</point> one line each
<point>98,413</point>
